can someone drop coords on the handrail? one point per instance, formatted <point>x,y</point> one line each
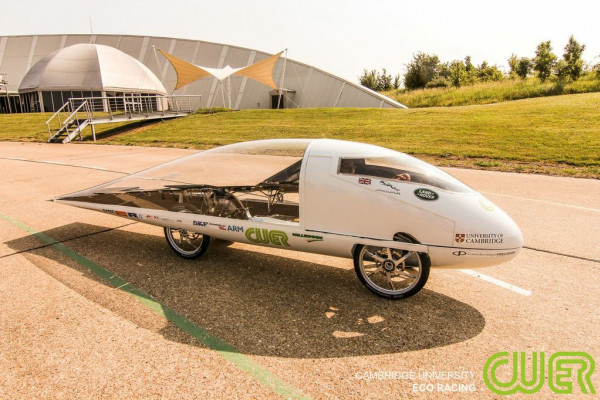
<point>59,111</point>
<point>70,118</point>
<point>55,115</point>
<point>119,106</point>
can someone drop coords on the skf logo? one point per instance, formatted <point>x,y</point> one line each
<point>565,371</point>
<point>459,238</point>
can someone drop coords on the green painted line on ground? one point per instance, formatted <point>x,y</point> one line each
<point>226,350</point>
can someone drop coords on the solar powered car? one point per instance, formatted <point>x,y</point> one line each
<point>394,215</point>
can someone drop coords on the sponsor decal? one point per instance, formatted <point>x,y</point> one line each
<point>426,194</point>
<point>151,217</point>
<point>200,223</point>
<point>394,188</point>
<point>266,236</point>
<point>220,226</point>
<point>479,238</point>
<point>486,204</point>
<point>134,215</point>
<point>364,181</point>
<point>459,253</point>
<point>108,211</point>
<point>387,191</point>
<point>121,213</point>
<point>235,228</point>
<point>567,372</point>
<point>309,238</point>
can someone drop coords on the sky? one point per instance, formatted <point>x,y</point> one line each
<point>341,37</point>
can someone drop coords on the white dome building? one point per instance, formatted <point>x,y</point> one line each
<point>85,70</point>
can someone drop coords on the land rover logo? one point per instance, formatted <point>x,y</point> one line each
<point>426,194</point>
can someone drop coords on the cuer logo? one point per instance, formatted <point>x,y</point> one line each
<point>257,235</point>
<point>426,194</point>
<point>565,370</point>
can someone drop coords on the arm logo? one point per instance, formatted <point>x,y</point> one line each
<point>504,374</point>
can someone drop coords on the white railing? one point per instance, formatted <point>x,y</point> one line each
<point>128,106</point>
<point>56,118</point>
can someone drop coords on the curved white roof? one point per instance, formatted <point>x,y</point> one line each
<point>91,67</point>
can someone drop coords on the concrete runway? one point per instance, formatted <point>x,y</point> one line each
<point>269,323</point>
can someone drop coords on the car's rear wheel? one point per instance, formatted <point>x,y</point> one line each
<point>186,244</point>
<point>391,273</point>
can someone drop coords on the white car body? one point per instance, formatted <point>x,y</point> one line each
<point>338,206</point>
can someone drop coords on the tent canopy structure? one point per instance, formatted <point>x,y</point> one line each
<point>261,71</point>
<point>91,67</point>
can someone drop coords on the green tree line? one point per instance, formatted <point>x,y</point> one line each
<point>428,71</point>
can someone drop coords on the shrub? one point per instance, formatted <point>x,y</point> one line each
<point>421,70</point>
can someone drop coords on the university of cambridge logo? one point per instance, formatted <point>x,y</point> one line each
<point>459,238</point>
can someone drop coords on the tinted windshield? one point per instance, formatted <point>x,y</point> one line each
<point>402,167</point>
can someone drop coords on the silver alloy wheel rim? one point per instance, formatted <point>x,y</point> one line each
<point>185,242</point>
<point>390,271</point>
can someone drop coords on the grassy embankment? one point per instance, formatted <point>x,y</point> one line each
<point>557,135</point>
<point>32,127</point>
<point>494,92</point>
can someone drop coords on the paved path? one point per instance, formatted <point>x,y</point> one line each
<point>296,324</point>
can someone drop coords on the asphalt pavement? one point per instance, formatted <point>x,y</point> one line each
<point>96,305</point>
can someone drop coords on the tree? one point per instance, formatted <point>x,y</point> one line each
<point>470,68</point>
<point>562,70</point>
<point>385,81</point>
<point>397,82</point>
<point>596,69</point>
<point>486,73</point>
<point>573,65</point>
<point>421,70</point>
<point>379,82</point>
<point>513,63</point>
<point>458,73</point>
<point>369,79</point>
<point>544,60</point>
<point>524,65</point>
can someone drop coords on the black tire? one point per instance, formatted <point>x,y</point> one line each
<point>185,243</point>
<point>417,263</point>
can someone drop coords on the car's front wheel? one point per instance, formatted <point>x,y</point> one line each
<point>186,243</point>
<point>391,273</point>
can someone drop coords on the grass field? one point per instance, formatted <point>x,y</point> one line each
<point>557,135</point>
<point>494,92</point>
<point>32,127</point>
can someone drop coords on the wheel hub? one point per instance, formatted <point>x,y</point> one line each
<point>388,265</point>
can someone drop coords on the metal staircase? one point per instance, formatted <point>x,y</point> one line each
<point>71,126</point>
<point>75,115</point>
